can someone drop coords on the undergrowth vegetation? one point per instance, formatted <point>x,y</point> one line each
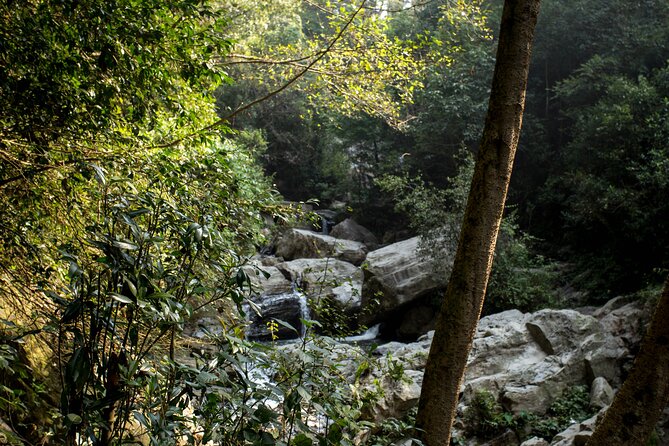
<point>485,418</point>
<point>520,277</point>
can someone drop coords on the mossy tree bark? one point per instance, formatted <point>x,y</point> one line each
<point>465,292</point>
<point>638,405</point>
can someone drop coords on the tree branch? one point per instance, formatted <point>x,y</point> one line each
<point>278,90</point>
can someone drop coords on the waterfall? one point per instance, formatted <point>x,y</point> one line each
<point>304,312</point>
<point>371,334</point>
<point>291,308</point>
<point>324,226</point>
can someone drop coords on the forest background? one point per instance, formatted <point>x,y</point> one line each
<point>143,142</point>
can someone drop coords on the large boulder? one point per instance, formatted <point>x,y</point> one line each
<point>560,332</point>
<point>399,395</point>
<point>396,275</point>
<point>577,434</point>
<point>290,308</point>
<point>528,360</point>
<point>301,243</point>
<point>601,393</point>
<point>525,360</point>
<point>625,319</point>
<point>332,279</point>
<point>267,280</point>
<point>349,229</point>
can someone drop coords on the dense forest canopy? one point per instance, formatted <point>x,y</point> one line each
<point>589,179</point>
<point>145,145</point>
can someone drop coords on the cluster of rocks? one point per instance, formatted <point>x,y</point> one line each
<point>528,360</point>
<point>347,268</point>
<point>524,360</point>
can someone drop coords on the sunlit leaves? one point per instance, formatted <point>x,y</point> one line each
<point>360,67</point>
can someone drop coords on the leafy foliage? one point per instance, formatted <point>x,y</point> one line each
<point>591,98</point>
<point>572,407</point>
<point>519,279</point>
<point>24,398</point>
<point>121,217</point>
<point>158,252</point>
<point>81,74</point>
<point>617,170</point>
<point>353,112</point>
<point>485,417</point>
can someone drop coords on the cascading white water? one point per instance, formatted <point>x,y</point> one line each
<point>371,334</point>
<point>290,308</point>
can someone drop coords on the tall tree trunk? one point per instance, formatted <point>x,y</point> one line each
<point>462,304</point>
<point>638,405</point>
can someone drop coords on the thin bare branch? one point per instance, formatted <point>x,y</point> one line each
<point>278,90</point>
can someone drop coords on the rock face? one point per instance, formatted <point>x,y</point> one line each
<point>267,280</point>
<point>397,274</point>
<point>399,396</point>
<point>300,243</point>
<point>528,360</point>
<point>349,229</point>
<point>319,279</point>
<point>601,393</point>
<point>288,307</point>
<point>577,434</point>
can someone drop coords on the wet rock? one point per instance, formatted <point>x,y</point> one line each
<point>319,279</point>
<point>267,280</point>
<point>534,441</point>
<point>289,308</point>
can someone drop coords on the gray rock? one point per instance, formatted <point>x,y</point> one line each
<point>506,438</point>
<point>601,393</point>
<point>300,243</point>
<point>289,308</point>
<point>399,395</point>
<point>627,321</point>
<point>577,434</point>
<point>534,441</point>
<point>529,360</point>
<point>525,369</point>
<point>333,279</point>
<point>558,332</point>
<point>267,280</point>
<point>349,229</point>
<point>604,356</point>
<point>413,356</point>
<point>396,275</point>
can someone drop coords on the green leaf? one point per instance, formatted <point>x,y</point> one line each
<point>304,393</point>
<point>301,439</point>
<point>206,377</point>
<point>264,414</point>
<point>73,418</point>
<point>125,245</point>
<point>100,174</point>
<point>286,324</point>
<point>121,298</point>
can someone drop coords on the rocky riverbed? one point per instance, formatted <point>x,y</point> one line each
<point>523,361</point>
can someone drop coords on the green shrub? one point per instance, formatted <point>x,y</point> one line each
<point>519,279</point>
<point>392,430</point>
<point>571,407</point>
<point>484,418</point>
